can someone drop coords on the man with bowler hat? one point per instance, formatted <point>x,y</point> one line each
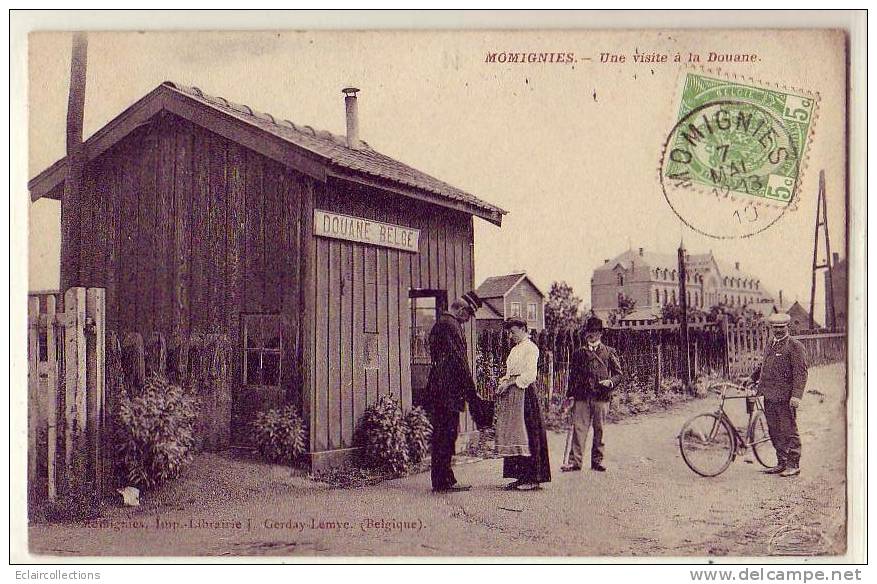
<point>781,379</point>
<point>594,372</point>
<point>450,385</point>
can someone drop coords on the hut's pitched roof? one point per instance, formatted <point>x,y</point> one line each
<point>318,152</point>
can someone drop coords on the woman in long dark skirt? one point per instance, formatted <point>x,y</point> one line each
<point>520,431</point>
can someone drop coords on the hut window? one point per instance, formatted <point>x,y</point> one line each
<point>531,311</point>
<point>423,313</point>
<point>263,348</point>
<point>516,309</point>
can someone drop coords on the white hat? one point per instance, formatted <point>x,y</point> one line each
<point>779,319</point>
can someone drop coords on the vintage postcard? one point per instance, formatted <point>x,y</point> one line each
<point>453,294</point>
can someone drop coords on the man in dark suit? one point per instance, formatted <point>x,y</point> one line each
<point>594,372</point>
<point>450,385</point>
<point>781,379</point>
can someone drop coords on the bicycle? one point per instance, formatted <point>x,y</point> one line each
<point>710,442</point>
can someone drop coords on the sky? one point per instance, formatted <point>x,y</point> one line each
<point>571,150</point>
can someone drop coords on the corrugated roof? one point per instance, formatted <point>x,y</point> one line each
<point>364,160</point>
<point>496,286</point>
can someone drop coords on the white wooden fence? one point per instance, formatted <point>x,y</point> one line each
<point>66,450</point>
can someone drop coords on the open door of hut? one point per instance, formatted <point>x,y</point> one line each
<point>425,306</point>
<point>261,371</point>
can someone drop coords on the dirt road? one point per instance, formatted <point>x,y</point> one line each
<point>648,503</point>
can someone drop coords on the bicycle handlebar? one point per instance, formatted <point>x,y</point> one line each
<point>721,388</point>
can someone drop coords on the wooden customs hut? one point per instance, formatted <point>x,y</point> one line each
<point>322,260</point>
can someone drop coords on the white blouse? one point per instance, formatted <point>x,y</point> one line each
<point>523,361</point>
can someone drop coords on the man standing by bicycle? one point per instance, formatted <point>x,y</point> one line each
<point>781,378</point>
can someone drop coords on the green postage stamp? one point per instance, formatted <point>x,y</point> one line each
<point>738,139</point>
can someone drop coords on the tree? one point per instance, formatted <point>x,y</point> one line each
<point>562,308</point>
<point>674,312</point>
<point>735,314</point>
<point>626,305</point>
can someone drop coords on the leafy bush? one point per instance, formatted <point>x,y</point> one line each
<point>157,432</point>
<point>671,384</point>
<point>383,437</point>
<point>390,441</point>
<point>418,431</point>
<point>279,434</point>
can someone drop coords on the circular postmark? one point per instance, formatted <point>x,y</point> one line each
<point>729,168</point>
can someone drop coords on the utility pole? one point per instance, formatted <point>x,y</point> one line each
<point>822,221</point>
<point>683,324</point>
<point>76,160</point>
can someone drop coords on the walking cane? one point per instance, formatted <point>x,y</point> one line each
<point>568,445</point>
<point>569,430</point>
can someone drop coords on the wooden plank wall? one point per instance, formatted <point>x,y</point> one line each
<point>361,289</point>
<point>187,230</point>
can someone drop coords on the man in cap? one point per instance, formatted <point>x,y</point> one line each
<point>594,371</point>
<point>781,379</point>
<point>450,385</point>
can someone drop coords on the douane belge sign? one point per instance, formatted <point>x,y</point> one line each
<point>339,226</point>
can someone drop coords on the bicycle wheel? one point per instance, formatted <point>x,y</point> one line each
<point>761,443</point>
<point>707,444</point>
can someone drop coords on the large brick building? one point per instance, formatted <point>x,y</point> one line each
<point>651,280</point>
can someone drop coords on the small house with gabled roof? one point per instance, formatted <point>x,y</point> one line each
<point>511,295</point>
<point>323,261</point>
